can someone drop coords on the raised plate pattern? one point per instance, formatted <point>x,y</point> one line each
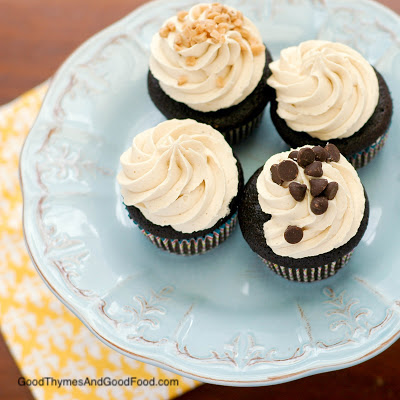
<point>208,325</point>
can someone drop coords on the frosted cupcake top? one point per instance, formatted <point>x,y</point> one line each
<point>209,58</point>
<point>325,89</point>
<point>315,199</point>
<point>180,173</point>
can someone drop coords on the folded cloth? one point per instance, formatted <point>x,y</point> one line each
<point>45,338</point>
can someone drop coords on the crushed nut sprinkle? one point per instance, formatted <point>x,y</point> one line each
<point>164,32</point>
<point>182,15</point>
<point>171,27</point>
<point>182,80</point>
<point>257,49</point>
<point>191,61</point>
<point>218,21</point>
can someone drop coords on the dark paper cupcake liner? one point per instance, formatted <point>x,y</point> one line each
<point>194,246</point>
<point>237,135</point>
<point>362,158</point>
<point>310,274</point>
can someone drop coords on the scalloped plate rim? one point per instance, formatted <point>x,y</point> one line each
<point>384,343</point>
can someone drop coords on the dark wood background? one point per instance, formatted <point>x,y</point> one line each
<point>35,37</point>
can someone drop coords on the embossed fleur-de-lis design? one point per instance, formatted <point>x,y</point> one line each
<point>143,314</point>
<point>351,319</point>
<point>243,352</point>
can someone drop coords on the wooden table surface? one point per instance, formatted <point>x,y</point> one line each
<point>35,37</point>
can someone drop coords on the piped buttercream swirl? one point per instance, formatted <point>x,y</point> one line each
<point>325,89</point>
<point>204,64</point>
<point>322,233</point>
<point>180,173</point>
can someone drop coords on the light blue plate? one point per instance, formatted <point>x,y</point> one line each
<point>220,317</point>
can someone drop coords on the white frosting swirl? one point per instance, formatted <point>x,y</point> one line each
<point>325,89</point>
<point>322,233</point>
<point>238,69</point>
<point>180,173</point>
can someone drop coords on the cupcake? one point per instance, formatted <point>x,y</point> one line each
<point>327,92</point>
<point>210,64</point>
<point>180,183</point>
<point>304,212</point>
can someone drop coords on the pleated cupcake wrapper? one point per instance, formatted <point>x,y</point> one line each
<point>237,135</point>
<point>309,274</point>
<point>193,246</point>
<point>362,158</point>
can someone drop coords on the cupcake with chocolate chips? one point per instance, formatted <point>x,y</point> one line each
<point>180,183</point>
<point>327,92</point>
<point>210,64</point>
<point>304,212</point>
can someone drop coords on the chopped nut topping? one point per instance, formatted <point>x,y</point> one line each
<point>223,28</point>
<point>257,49</point>
<point>215,34</point>
<point>212,15</point>
<point>164,32</point>
<point>222,18</point>
<point>182,15</point>
<point>182,80</point>
<point>200,38</point>
<point>218,21</point>
<point>203,7</point>
<point>171,26</point>
<point>217,7</point>
<point>232,14</point>
<point>191,61</point>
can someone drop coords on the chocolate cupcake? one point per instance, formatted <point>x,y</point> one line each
<point>210,65</point>
<point>304,212</point>
<point>327,92</point>
<point>181,183</point>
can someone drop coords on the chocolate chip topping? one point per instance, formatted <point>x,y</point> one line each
<point>293,155</point>
<point>293,234</point>
<point>317,186</point>
<point>331,190</point>
<point>275,175</point>
<point>314,169</point>
<point>320,153</point>
<point>319,205</point>
<point>298,191</point>
<point>288,170</point>
<point>305,157</point>
<point>333,152</point>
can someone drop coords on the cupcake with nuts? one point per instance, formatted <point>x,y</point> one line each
<point>210,64</point>
<point>181,185</point>
<point>328,92</point>
<point>304,212</point>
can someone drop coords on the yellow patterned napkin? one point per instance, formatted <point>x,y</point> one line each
<point>46,340</point>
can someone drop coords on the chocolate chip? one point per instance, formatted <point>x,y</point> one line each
<point>293,155</point>
<point>320,153</point>
<point>314,169</point>
<point>317,186</point>
<point>331,190</point>
<point>297,190</point>
<point>275,175</point>
<point>319,205</point>
<point>305,157</point>
<point>293,234</point>
<point>288,170</point>
<point>333,152</point>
